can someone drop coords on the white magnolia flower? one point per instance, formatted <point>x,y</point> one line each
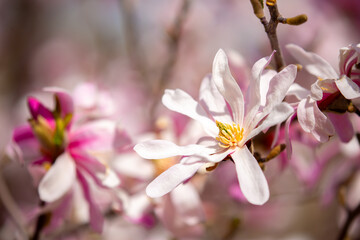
<point>230,120</point>
<point>329,85</point>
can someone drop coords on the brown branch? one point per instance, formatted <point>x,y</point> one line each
<point>174,33</point>
<point>271,26</point>
<point>351,216</point>
<point>41,222</point>
<point>270,29</point>
<point>173,46</point>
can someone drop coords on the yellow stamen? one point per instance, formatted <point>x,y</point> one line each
<point>229,135</point>
<point>46,165</point>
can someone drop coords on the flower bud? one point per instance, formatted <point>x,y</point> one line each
<point>297,20</point>
<point>258,8</point>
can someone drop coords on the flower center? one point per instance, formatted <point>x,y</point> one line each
<point>229,135</point>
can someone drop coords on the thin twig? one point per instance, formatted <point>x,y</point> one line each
<point>174,34</point>
<point>271,26</point>
<point>351,216</point>
<point>270,29</point>
<point>40,223</point>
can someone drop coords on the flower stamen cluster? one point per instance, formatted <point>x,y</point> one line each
<point>229,135</point>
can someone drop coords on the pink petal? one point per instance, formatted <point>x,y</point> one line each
<point>25,146</point>
<point>251,178</point>
<point>95,136</point>
<point>343,126</point>
<point>65,99</point>
<point>37,108</point>
<point>171,178</point>
<point>227,86</point>
<point>58,180</point>
<point>96,217</point>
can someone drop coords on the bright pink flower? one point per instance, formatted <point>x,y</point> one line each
<point>68,152</point>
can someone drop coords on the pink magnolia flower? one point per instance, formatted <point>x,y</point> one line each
<point>64,153</point>
<point>229,121</point>
<point>325,90</point>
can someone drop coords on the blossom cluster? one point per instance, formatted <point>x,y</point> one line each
<point>247,148</point>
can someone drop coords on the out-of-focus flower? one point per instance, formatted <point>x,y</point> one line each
<point>92,102</point>
<point>180,212</point>
<point>228,133</point>
<point>325,91</point>
<point>60,153</point>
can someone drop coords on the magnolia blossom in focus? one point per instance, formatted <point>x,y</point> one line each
<point>230,120</point>
<point>326,90</point>
<point>60,152</point>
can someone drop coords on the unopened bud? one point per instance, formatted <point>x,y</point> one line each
<point>270,2</point>
<point>299,67</point>
<point>42,131</point>
<point>275,151</point>
<point>258,8</point>
<point>297,20</point>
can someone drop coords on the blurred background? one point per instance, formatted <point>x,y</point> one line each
<point>134,49</point>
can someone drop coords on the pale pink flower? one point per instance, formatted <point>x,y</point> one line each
<point>230,123</point>
<point>325,90</point>
<point>66,152</point>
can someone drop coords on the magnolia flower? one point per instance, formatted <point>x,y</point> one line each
<point>230,123</point>
<point>66,152</point>
<point>325,91</point>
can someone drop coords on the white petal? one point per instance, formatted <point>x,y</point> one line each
<point>279,114</point>
<point>313,120</point>
<point>213,101</point>
<point>279,85</point>
<point>265,84</point>
<point>211,151</point>
<point>316,91</point>
<point>323,129</point>
<point>325,85</point>
<point>158,149</point>
<point>179,101</point>
<point>305,113</point>
<point>171,178</point>
<point>138,206</point>
<point>348,88</point>
<point>59,179</point>
<point>298,91</point>
<point>251,178</point>
<point>110,179</point>
<point>130,164</point>
<point>312,62</point>
<point>253,92</point>
<point>227,86</point>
